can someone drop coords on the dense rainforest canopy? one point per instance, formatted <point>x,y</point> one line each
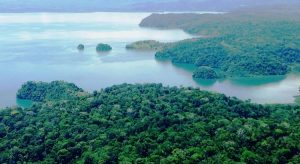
<point>146,123</point>
<point>206,73</point>
<point>248,42</point>
<point>56,90</point>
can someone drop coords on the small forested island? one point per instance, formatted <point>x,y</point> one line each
<point>148,45</point>
<point>80,47</point>
<point>103,47</point>
<point>206,73</point>
<point>145,123</point>
<point>241,43</point>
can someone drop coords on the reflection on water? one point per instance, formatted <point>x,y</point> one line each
<point>188,67</point>
<point>43,47</point>
<point>257,81</point>
<point>269,89</point>
<point>205,82</point>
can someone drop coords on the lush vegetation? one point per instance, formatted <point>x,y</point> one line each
<point>103,47</point>
<point>210,53</point>
<point>240,43</point>
<point>149,124</point>
<point>56,90</point>
<point>206,73</point>
<point>148,45</point>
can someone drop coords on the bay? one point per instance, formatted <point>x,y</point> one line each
<point>42,47</point>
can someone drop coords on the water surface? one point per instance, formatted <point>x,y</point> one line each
<point>42,47</point>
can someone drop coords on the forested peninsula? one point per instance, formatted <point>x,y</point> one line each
<point>145,123</point>
<point>148,45</point>
<point>241,43</point>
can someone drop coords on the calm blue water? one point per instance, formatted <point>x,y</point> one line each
<point>43,47</point>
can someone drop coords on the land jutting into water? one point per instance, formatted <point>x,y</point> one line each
<point>145,123</point>
<point>155,123</point>
<point>241,43</point>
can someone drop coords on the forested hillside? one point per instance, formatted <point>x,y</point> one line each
<point>147,123</point>
<point>249,42</point>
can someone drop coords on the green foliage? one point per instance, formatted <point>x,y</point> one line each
<point>56,90</point>
<point>289,55</point>
<point>212,53</point>
<point>249,157</point>
<point>150,124</point>
<point>205,73</point>
<point>148,45</point>
<point>239,43</point>
<point>103,47</point>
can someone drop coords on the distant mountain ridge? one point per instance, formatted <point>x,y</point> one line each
<point>208,5</point>
<point>132,5</point>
